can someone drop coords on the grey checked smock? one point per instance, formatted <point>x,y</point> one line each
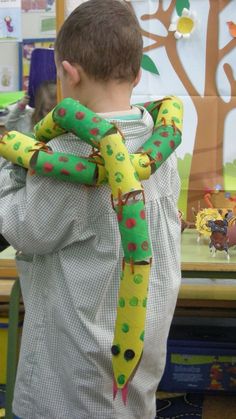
<point>65,368</point>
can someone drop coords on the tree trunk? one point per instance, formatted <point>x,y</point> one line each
<point>207,160</point>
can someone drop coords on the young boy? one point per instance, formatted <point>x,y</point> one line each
<point>65,368</point>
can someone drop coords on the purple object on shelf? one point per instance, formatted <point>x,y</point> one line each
<point>42,68</point>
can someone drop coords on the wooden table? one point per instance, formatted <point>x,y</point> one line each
<point>8,275</point>
<point>209,284</point>
<point>207,281</point>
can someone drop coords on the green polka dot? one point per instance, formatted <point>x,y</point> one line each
<point>136,175</point>
<point>141,163</point>
<point>11,136</point>
<point>121,379</point>
<point>142,336</point>
<point>176,105</point>
<point>175,119</point>
<point>133,301</point>
<point>48,130</point>
<point>121,302</point>
<point>20,161</point>
<point>119,177</point>
<point>145,302</point>
<point>138,279</point>
<point>109,150</point>
<point>17,145</point>
<point>125,327</point>
<point>120,157</point>
<point>27,149</point>
<point>165,111</point>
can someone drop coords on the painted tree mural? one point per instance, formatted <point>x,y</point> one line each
<point>212,108</point>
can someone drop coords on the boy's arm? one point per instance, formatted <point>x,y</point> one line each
<point>16,114</point>
<point>37,215</point>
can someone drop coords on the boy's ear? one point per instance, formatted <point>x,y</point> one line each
<point>72,73</point>
<point>137,78</point>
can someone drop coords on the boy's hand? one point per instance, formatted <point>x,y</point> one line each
<point>23,102</point>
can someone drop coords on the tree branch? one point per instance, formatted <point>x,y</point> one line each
<point>230,76</point>
<point>159,40</point>
<point>163,15</point>
<point>227,48</point>
<point>223,4</point>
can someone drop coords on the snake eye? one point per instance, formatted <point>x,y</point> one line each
<point>115,350</point>
<point>129,354</point>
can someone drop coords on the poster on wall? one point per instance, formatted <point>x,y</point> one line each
<point>26,48</point>
<point>48,25</point>
<point>6,78</point>
<point>10,20</point>
<point>38,6</point>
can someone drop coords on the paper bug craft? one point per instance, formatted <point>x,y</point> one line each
<point>218,238</point>
<point>112,164</point>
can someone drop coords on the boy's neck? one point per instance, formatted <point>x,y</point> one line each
<point>106,97</point>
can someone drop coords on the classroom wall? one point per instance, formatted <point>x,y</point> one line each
<point>31,29</point>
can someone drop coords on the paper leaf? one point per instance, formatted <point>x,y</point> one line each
<point>149,65</point>
<point>180,5</point>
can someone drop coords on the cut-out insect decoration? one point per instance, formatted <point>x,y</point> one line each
<point>218,239</point>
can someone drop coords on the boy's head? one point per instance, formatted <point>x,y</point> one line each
<point>103,38</point>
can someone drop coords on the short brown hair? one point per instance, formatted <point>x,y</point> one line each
<point>104,38</point>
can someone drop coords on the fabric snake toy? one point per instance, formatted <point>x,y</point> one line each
<point>109,163</point>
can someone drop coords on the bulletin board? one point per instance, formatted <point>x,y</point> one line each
<point>198,65</point>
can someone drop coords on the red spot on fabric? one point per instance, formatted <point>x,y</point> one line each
<point>144,245</point>
<point>172,144</point>
<point>130,222</point>
<point>94,131</point>
<point>48,167</point>
<point>65,172</point>
<point>132,247</point>
<point>159,157</point>
<point>96,119</point>
<point>79,167</point>
<point>61,112</point>
<point>164,134</point>
<point>157,143</point>
<point>142,214</point>
<point>63,159</point>
<point>80,115</point>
